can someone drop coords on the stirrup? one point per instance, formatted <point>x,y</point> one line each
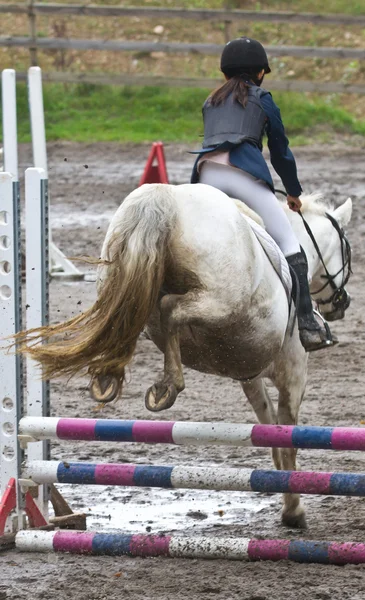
<point>329,341</point>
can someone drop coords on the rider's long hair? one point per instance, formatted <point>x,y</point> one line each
<point>237,85</point>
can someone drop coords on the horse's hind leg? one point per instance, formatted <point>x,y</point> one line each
<point>290,379</point>
<point>163,393</point>
<point>175,311</point>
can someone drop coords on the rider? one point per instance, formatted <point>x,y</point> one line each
<point>236,116</point>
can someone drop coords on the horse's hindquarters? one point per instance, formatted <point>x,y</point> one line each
<point>232,350</point>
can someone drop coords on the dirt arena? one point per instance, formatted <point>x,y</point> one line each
<point>87,183</point>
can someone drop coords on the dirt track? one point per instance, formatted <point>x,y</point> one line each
<point>83,199</point>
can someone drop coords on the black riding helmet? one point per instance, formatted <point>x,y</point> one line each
<point>244,55</point>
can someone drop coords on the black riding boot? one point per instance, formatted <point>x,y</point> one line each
<point>312,335</point>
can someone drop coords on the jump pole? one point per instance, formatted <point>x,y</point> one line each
<point>196,478</point>
<point>123,544</point>
<point>191,433</point>
<point>59,266</point>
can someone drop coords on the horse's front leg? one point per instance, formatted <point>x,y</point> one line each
<point>257,395</point>
<point>163,393</point>
<point>290,377</point>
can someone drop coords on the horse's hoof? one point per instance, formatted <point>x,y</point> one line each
<point>294,519</point>
<point>160,397</point>
<point>104,388</point>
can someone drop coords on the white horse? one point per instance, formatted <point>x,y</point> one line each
<point>182,263</point>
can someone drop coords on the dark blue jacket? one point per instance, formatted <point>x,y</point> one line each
<point>249,158</point>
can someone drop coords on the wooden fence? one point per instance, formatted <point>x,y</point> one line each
<point>226,17</point>
<point>178,13</point>
<point>174,47</point>
<point>288,85</point>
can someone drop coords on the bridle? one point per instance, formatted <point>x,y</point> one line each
<point>339,297</point>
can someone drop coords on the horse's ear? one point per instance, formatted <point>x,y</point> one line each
<point>343,213</point>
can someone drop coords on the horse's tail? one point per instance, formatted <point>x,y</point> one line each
<point>104,337</point>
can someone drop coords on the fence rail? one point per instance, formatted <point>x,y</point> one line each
<point>178,13</point>
<point>194,82</point>
<point>172,47</point>
<point>34,43</point>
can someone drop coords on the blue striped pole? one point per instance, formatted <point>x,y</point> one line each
<point>212,478</point>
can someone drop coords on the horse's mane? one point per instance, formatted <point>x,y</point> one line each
<point>313,203</point>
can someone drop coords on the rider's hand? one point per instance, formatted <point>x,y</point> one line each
<point>294,203</point>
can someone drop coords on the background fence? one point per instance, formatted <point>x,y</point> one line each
<point>35,42</point>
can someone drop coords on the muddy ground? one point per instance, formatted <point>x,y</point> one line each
<point>87,183</point>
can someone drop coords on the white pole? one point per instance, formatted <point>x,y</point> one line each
<point>37,124</point>
<point>10,149</point>
<point>59,265</point>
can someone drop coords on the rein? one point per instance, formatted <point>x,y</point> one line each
<point>339,297</point>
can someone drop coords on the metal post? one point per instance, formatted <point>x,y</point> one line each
<point>37,297</point>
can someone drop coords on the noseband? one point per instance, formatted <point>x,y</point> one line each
<point>339,298</point>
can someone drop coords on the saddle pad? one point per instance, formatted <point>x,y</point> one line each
<point>274,254</point>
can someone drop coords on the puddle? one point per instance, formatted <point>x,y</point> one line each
<point>155,510</point>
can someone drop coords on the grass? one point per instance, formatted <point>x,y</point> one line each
<point>335,6</point>
<point>87,113</point>
<point>330,6</point>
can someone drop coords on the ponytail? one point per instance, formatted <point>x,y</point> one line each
<point>236,86</point>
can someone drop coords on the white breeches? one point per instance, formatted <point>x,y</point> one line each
<point>242,186</point>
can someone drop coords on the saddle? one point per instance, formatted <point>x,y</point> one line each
<point>270,247</point>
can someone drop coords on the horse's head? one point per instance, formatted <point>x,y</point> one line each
<point>330,258</point>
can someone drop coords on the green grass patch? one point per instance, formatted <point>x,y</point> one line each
<point>87,113</point>
<point>330,6</point>
<point>354,7</point>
